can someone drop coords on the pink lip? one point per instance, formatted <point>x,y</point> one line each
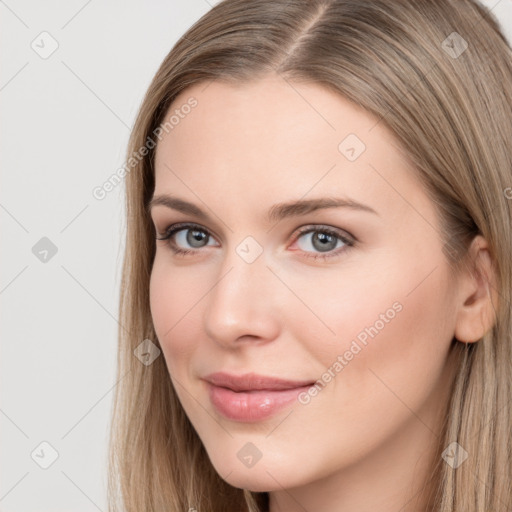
<point>251,397</point>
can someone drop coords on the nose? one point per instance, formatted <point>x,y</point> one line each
<point>242,305</point>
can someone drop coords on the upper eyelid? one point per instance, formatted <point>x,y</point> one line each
<point>176,227</point>
<point>179,226</point>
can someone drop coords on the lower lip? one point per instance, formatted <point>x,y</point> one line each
<point>251,406</point>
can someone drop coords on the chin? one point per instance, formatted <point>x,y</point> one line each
<point>254,483</point>
<point>261,479</point>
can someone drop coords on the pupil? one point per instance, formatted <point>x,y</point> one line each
<point>196,236</point>
<point>324,237</point>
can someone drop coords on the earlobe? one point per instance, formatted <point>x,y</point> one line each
<point>477,299</point>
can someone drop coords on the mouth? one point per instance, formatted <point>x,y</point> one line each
<point>254,382</point>
<point>252,397</point>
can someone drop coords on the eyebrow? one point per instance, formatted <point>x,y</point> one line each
<point>275,213</point>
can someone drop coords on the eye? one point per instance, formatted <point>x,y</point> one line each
<point>186,233</point>
<point>325,240</point>
<point>328,241</point>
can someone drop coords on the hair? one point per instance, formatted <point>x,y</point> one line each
<point>450,113</point>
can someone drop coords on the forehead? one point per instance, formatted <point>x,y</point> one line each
<point>285,118</point>
<point>274,139</point>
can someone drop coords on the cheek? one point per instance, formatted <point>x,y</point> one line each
<point>339,310</point>
<point>396,370</point>
<point>394,323</point>
<point>396,344</point>
<point>172,301</point>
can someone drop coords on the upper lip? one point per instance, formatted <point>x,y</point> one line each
<point>253,381</point>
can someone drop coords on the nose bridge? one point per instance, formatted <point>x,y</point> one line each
<point>240,301</point>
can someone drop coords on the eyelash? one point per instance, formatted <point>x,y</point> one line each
<point>175,228</point>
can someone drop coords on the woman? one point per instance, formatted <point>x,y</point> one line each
<point>317,278</point>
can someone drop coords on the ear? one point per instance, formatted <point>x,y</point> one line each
<point>477,298</point>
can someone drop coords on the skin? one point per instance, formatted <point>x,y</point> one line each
<point>366,440</point>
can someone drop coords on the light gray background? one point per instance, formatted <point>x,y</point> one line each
<point>65,125</point>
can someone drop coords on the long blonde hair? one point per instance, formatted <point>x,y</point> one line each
<point>438,74</point>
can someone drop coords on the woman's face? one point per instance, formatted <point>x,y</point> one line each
<point>359,299</point>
